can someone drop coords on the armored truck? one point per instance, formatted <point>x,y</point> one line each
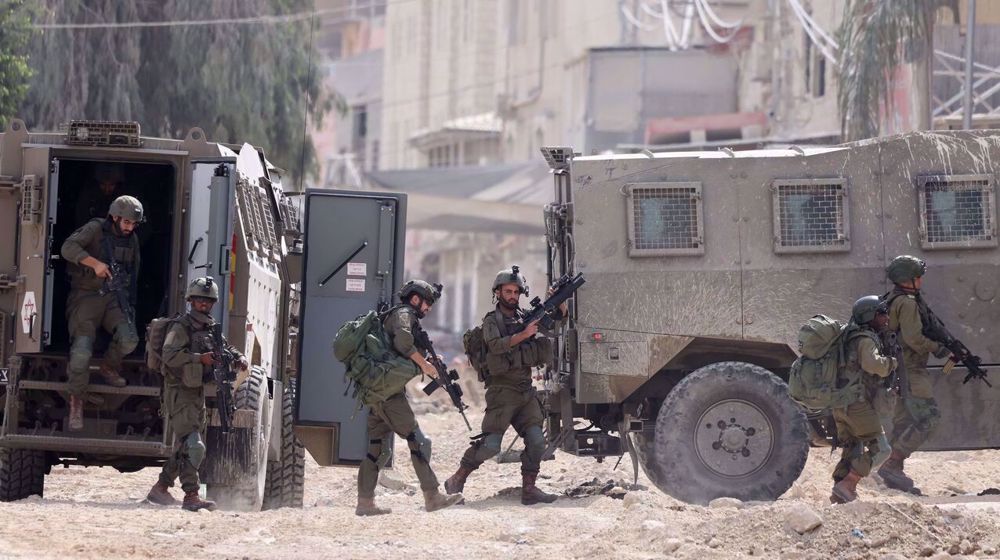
<point>700,268</point>
<point>211,210</point>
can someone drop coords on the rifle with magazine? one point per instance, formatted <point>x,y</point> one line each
<point>446,378</point>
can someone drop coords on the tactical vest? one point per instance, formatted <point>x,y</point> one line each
<point>852,367</point>
<point>199,342</point>
<point>110,249</point>
<point>513,367</point>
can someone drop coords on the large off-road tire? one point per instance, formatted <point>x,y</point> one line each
<point>286,476</point>
<point>244,452</point>
<point>22,473</point>
<point>727,429</point>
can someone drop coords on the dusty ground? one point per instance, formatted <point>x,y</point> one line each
<point>98,513</point>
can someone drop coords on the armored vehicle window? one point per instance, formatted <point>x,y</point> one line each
<point>810,216</point>
<point>957,211</point>
<point>665,219</point>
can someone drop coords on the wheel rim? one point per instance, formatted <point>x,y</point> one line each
<point>734,438</point>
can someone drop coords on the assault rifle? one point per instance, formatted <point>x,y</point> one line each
<point>544,311</point>
<point>446,378</point>
<point>119,285</point>
<point>222,373</point>
<point>898,380</point>
<point>935,330</point>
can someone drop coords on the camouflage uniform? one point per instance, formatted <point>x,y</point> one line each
<point>915,418</point>
<point>86,309</point>
<point>183,395</point>
<point>858,425</point>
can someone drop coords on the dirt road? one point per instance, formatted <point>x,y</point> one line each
<point>99,513</point>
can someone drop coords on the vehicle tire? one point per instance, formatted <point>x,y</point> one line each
<point>22,473</point>
<point>242,455</point>
<point>727,429</point>
<point>286,477</point>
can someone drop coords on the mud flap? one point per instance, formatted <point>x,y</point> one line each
<point>231,457</point>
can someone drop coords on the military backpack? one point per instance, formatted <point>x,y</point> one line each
<point>156,335</point>
<point>475,349</point>
<point>373,368</point>
<point>816,379</point>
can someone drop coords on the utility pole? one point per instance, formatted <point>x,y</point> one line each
<point>970,34</point>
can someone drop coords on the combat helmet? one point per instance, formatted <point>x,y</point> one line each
<point>127,207</point>
<point>428,292</point>
<point>511,275</point>
<point>866,308</point>
<point>905,268</point>
<point>204,287</point>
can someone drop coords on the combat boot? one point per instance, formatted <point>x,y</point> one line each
<point>435,500</point>
<point>846,490</point>
<point>193,502</point>
<point>75,423</point>
<point>366,506</point>
<point>111,377</point>
<point>456,483</point>
<point>531,494</point>
<point>160,495</point>
<point>892,473</point>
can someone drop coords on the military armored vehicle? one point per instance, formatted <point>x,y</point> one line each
<point>702,266</point>
<point>215,210</point>
<point>211,210</point>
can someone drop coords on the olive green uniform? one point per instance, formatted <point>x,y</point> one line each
<point>86,309</point>
<point>394,416</point>
<point>914,418</point>
<point>183,394</point>
<point>510,397</point>
<point>858,425</point>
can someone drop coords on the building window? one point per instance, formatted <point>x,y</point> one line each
<point>665,219</point>
<point>957,211</point>
<point>810,216</point>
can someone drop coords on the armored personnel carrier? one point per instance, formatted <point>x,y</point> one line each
<point>702,266</point>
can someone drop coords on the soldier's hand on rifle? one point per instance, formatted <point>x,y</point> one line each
<point>531,329</point>
<point>206,359</point>
<point>100,269</point>
<point>563,307</point>
<point>242,363</point>
<point>429,370</point>
<point>944,352</point>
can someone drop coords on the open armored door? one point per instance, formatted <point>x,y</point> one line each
<point>39,198</point>
<point>353,263</point>
<point>210,226</point>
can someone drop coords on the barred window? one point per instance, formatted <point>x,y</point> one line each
<point>810,216</point>
<point>957,211</point>
<point>665,219</point>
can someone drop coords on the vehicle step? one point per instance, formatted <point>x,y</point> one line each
<point>111,446</point>
<point>144,390</point>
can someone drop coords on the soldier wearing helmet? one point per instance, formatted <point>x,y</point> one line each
<point>511,355</point>
<point>915,415</point>
<point>187,362</point>
<point>102,260</point>
<point>394,414</point>
<point>859,431</point>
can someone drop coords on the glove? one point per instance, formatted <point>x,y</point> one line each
<point>942,352</point>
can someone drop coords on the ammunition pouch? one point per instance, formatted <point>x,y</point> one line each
<point>191,375</point>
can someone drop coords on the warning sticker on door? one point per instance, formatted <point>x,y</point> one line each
<point>355,284</point>
<point>357,269</point>
<point>28,312</point>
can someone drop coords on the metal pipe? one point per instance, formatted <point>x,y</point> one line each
<point>970,35</point>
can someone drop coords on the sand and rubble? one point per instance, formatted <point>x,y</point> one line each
<point>100,513</point>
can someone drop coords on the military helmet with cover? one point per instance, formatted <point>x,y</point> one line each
<point>127,207</point>
<point>866,308</point>
<point>905,268</point>
<point>427,291</point>
<point>511,275</point>
<point>204,287</point>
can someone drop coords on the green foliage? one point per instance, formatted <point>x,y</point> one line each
<point>875,37</point>
<point>257,83</point>
<point>15,33</point>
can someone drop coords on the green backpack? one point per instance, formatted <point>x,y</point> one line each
<point>475,350</point>
<point>814,377</point>
<point>372,367</point>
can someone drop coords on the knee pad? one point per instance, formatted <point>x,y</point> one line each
<point>80,352</point>
<point>492,442</point>
<point>420,445</point>
<point>378,453</point>
<point>534,442</point>
<point>126,337</point>
<point>194,448</point>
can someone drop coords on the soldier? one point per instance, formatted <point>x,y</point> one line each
<point>187,362</point>
<point>394,414</point>
<point>858,426</point>
<point>91,252</point>
<point>916,413</point>
<point>510,397</point>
